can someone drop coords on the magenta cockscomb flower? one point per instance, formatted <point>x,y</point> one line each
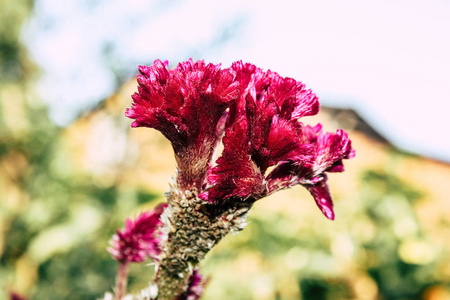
<point>257,116</point>
<point>260,113</point>
<point>139,239</point>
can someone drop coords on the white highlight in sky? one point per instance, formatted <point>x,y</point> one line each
<point>388,59</point>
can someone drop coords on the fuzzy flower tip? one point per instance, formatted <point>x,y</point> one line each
<point>139,239</point>
<point>195,287</point>
<point>266,147</point>
<point>185,105</point>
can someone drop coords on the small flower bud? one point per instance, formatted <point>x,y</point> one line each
<point>139,239</point>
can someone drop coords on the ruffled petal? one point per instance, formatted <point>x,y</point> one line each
<point>236,174</point>
<point>322,196</point>
<point>331,149</point>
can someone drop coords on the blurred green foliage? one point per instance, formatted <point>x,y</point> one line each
<point>55,222</point>
<point>385,246</point>
<point>14,65</point>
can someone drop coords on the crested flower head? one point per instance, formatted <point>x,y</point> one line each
<point>139,239</point>
<point>266,147</point>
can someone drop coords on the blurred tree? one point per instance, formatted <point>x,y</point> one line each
<point>14,65</point>
<point>401,260</point>
<point>52,242</point>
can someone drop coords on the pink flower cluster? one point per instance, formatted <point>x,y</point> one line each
<point>266,147</point>
<point>139,239</point>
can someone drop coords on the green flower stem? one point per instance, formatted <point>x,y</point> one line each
<point>194,227</point>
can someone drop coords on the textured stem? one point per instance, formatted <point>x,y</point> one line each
<point>194,227</point>
<point>121,280</point>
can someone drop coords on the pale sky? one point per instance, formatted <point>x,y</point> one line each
<point>389,60</point>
